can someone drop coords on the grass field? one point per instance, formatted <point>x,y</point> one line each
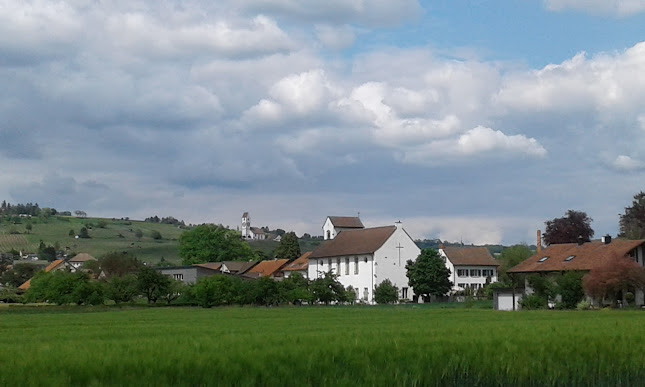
<point>375,346</point>
<point>118,235</point>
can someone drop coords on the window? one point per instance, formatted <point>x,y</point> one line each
<point>178,277</point>
<point>366,293</point>
<point>346,266</point>
<point>462,285</point>
<point>329,264</point>
<point>488,272</point>
<point>570,257</point>
<point>355,265</point>
<point>328,235</point>
<point>404,292</point>
<point>543,259</point>
<point>475,272</point>
<point>462,273</point>
<point>338,266</point>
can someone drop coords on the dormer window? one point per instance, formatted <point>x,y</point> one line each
<point>570,257</point>
<point>543,259</point>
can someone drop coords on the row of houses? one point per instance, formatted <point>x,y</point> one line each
<point>361,258</point>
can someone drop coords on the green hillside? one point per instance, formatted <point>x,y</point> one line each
<point>105,235</point>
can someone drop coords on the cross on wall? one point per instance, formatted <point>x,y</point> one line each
<point>399,247</point>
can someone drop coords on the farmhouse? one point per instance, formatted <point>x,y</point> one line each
<point>365,257</point>
<point>335,224</point>
<point>300,265</point>
<point>270,268</point>
<point>582,257</point>
<point>56,265</point>
<point>79,259</point>
<point>470,267</point>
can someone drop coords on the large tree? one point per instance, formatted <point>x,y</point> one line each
<point>509,257</point>
<point>618,274</point>
<point>288,248</point>
<point>567,229</point>
<point>428,275</point>
<point>632,223</point>
<point>210,243</point>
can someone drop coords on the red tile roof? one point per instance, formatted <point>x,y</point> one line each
<point>346,221</point>
<point>585,257</point>
<point>470,256</point>
<point>299,264</point>
<point>266,268</point>
<point>51,267</point>
<point>354,242</point>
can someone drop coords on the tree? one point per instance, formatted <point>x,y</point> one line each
<point>152,283</point>
<point>138,234</point>
<point>214,291</point>
<point>618,274</point>
<point>71,233</point>
<point>428,275</point>
<point>327,289</point>
<point>122,288</point>
<point>632,222</point>
<point>210,243</point>
<point>288,247</point>
<point>117,264</point>
<point>569,287</point>
<point>296,288</point>
<point>174,291</point>
<point>386,293</point>
<point>509,257</point>
<point>83,233</point>
<point>567,229</point>
<point>62,288</point>
<point>28,227</point>
<point>156,235</point>
<point>19,274</point>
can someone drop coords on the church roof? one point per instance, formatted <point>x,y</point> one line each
<point>585,257</point>
<point>354,242</point>
<point>346,221</point>
<point>257,230</point>
<point>471,256</point>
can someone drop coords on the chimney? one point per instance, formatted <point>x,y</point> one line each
<point>606,239</point>
<point>581,241</point>
<point>539,241</point>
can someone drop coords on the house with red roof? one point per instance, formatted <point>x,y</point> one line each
<point>299,265</point>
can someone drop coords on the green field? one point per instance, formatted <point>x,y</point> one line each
<point>118,235</point>
<point>372,346</point>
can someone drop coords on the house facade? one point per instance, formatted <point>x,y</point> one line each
<point>79,260</point>
<point>335,224</point>
<point>363,258</point>
<point>582,257</point>
<point>188,274</point>
<point>470,267</point>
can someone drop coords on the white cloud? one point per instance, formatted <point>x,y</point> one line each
<point>626,163</point>
<point>611,7</point>
<point>336,38</point>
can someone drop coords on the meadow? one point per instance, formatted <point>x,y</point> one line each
<point>291,346</point>
<point>116,235</point>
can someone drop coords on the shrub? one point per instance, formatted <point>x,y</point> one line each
<point>533,301</point>
<point>569,287</point>
<point>583,305</point>
<point>156,235</point>
<point>386,293</point>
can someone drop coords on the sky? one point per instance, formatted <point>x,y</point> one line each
<point>471,121</point>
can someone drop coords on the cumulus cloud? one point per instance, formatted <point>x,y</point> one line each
<point>612,7</point>
<point>336,38</point>
<point>626,163</point>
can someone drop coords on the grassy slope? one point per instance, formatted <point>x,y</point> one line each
<point>321,346</point>
<point>102,240</point>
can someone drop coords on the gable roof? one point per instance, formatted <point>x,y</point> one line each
<point>585,257</point>
<point>210,265</point>
<point>471,256</point>
<point>257,230</point>
<point>55,265</point>
<point>354,242</point>
<point>302,263</point>
<point>346,221</point>
<point>238,267</point>
<point>82,257</point>
<point>266,268</point>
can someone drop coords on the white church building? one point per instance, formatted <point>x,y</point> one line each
<point>365,257</point>
<point>249,232</point>
<point>335,224</point>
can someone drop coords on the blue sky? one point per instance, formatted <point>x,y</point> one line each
<point>466,120</point>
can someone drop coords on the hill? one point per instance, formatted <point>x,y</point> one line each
<point>106,235</point>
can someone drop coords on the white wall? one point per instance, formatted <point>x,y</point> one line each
<point>328,226</point>
<point>389,265</point>
<point>456,280</point>
<point>360,281</point>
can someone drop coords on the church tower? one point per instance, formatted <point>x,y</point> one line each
<point>246,226</point>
